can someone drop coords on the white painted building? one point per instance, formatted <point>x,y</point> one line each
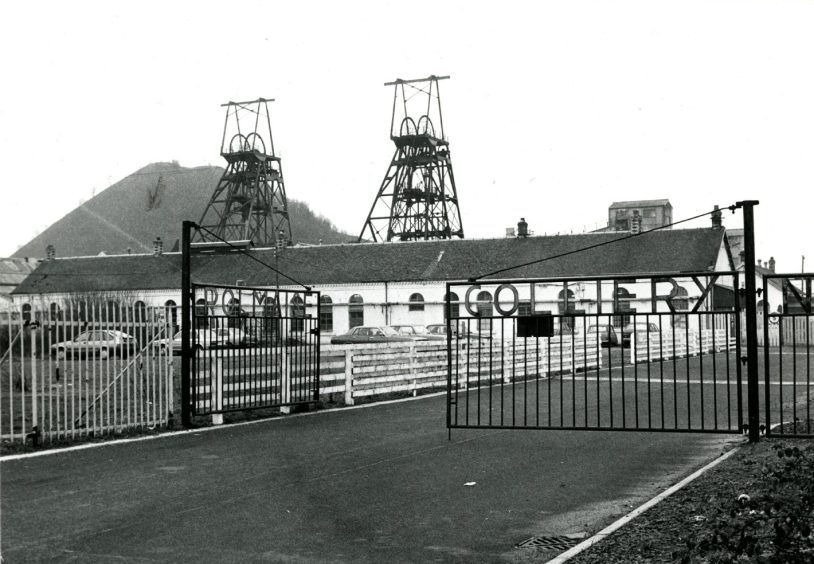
<point>406,283</point>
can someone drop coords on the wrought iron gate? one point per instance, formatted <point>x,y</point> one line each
<point>656,353</point>
<point>252,348</point>
<point>788,337</point>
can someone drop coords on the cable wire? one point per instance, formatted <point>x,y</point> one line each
<point>588,248</point>
<point>254,258</point>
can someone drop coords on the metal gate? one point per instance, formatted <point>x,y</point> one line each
<point>788,337</point>
<point>86,366</point>
<point>252,348</point>
<point>643,352</point>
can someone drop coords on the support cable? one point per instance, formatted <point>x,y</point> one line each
<point>254,258</point>
<point>732,208</point>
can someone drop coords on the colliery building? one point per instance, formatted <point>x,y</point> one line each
<point>406,283</point>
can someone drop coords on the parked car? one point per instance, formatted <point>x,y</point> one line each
<point>100,343</point>
<point>369,334</point>
<point>418,333</point>
<point>231,337</point>
<point>608,335</point>
<point>439,329</point>
<point>199,339</point>
<point>463,332</point>
<point>639,327</point>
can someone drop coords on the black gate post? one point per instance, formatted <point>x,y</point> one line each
<point>186,316</point>
<point>751,319</point>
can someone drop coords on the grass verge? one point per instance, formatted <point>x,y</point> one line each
<point>757,506</point>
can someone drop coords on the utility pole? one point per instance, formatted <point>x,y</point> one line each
<point>751,318</point>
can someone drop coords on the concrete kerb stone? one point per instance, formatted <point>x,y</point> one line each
<point>589,542</point>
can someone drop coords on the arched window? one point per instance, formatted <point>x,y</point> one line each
<point>297,314</point>
<point>26,313</point>
<point>271,318</point>
<point>681,301</point>
<point>326,314</point>
<point>140,311</point>
<point>81,310</point>
<point>172,312</point>
<point>233,312</point>
<point>416,302</point>
<point>454,306</point>
<point>356,311</point>
<point>201,314</point>
<point>484,310</point>
<point>112,310</point>
<point>621,304</point>
<point>566,304</point>
<point>56,313</point>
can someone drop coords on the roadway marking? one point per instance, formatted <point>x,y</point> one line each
<point>652,381</point>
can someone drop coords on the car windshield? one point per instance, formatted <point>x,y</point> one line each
<point>389,331</point>
<point>420,330</point>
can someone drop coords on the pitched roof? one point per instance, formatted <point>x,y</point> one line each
<point>761,271</point>
<point>679,250</point>
<point>13,271</point>
<point>640,204</point>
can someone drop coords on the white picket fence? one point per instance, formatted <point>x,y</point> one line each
<point>48,396</point>
<point>366,370</point>
<point>649,347</point>
<point>52,398</point>
<point>797,331</point>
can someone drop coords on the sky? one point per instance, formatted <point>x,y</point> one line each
<point>554,110</point>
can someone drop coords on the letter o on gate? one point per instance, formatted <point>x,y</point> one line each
<point>468,300</point>
<point>227,305</point>
<point>515,300</point>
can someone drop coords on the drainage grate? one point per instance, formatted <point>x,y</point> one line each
<point>558,542</point>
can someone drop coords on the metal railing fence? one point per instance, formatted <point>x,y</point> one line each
<point>83,370</point>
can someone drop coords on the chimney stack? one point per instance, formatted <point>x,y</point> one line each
<point>636,223</point>
<point>760,262</point>
<point>717,218</point>
<point>522,228</point>
<point>771,264</point>
<point>50,252</point>
<point>281,240</point>
<point>158,246</point>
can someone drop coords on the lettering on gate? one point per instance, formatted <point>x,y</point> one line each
<point>230,301</point>
<point>506,297</point>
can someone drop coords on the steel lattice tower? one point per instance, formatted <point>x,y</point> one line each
<point>417,198</point>
<point>249,202</point>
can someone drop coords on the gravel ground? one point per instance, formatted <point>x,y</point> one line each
<point>709,520</point>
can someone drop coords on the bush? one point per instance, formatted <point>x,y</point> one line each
<point>771,527</point>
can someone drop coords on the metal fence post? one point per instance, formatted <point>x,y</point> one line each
<point>348,376</point>
<point>186,350</point>
<point>751,319</point>
<point>216,388</point>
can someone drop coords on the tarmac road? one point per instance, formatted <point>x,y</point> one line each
<point>377,484</point>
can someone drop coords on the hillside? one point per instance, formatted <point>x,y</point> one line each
<point>152,202</point>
